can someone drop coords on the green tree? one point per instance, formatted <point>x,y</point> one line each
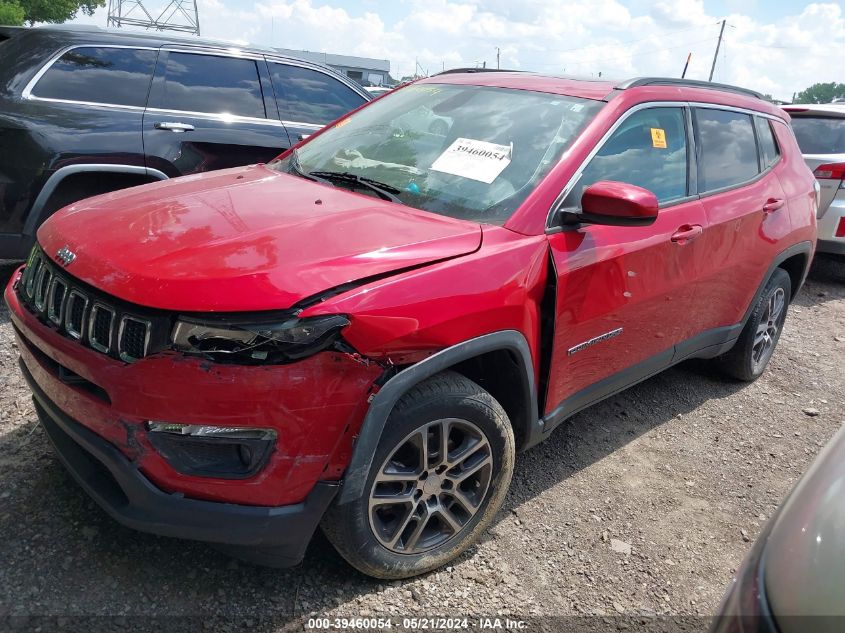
<point>821,93</point>
<point>17,12</point>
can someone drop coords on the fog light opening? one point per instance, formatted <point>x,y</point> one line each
<point>212,451</point>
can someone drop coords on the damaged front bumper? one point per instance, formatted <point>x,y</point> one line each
<point>98,412</point>
<point>129,497</point>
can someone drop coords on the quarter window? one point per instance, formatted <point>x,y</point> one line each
<point>208,83</point>
<point>113,76</point>
<point>766,140</point>
<point>727,151</point>
<point>649,150</point>
<point>309,96</point>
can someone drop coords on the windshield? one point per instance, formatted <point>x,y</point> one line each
<point>468,152</point>
<point>819,135</point>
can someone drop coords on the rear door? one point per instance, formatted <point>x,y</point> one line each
<point>746,209</point>
<point>208,110</point>
<point>624,294</point>
<point>308,98</point>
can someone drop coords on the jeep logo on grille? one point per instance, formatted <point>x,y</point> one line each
<point>65,255</point>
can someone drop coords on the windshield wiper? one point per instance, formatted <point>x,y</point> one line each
<point>384,191</point>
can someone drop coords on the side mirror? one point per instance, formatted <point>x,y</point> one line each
<point>617,204</point>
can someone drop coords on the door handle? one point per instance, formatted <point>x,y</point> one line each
<point>173,126</point>
<point>687,233</point>
<point>772,205</point>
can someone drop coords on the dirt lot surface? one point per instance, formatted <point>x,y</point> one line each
<point>644,504</point>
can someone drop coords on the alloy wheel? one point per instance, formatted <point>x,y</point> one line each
<point>767,331</point>
<point>431,486</point>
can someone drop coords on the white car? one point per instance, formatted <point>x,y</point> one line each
<point>820,130</point>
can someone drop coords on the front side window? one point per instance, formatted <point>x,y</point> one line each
<point>648,149</point>
<point>99,74</point>
<point>309,96</point>
<point>208,83</point>
<point>766,139</point>
<point>468,152</point>
<point>727,150</point>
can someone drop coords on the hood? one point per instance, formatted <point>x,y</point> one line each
<point>243,239</point>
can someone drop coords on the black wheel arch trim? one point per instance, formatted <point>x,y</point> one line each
<point>33,218</point>
<point>801,248</point>
<point>384,401</point>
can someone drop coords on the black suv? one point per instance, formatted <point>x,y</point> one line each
<point>87,111</point>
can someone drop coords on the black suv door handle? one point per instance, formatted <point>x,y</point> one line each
<point>173,126</point>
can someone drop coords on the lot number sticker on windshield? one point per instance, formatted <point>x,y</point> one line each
<point>658,138</point>
<point>476,160</point>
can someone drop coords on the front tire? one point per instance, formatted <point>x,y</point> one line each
<point>439,475</point>
<point>748,359</point>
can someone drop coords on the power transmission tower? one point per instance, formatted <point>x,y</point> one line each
<point>177,15</point>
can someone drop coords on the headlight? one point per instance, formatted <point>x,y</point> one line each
<point>258,342</point>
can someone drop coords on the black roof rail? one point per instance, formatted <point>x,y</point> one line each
<point>688,83</point>
<point>452,71</point>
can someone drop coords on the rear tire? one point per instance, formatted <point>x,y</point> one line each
<point>747,360</point>
<point>439,475</point>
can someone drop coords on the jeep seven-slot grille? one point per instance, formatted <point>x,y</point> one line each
<point>95,319</point>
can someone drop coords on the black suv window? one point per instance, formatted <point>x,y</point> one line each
<point>648,149</point>
<point>208,83</point>
<point>115,76</point>
<point>766,139</point>
<point>727,151</point>
<point>309,96</point>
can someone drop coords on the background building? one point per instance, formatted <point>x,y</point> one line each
<point>365,70</point>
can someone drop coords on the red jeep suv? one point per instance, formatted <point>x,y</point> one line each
<point>361,334</point>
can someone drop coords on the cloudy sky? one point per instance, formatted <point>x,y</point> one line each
<point>774,46</point>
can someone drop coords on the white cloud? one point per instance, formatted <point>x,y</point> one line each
<point>581,37</point>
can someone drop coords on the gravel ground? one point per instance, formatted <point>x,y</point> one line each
<point>644,504</point>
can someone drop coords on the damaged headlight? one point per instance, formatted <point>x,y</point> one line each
<point>253,343</point>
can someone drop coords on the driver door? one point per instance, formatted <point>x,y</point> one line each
<point>625,294</point>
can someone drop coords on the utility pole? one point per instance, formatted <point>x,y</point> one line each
<point>498,52</point>
<point>716,54</point>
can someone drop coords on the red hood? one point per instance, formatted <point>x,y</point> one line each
<point>243,239</point>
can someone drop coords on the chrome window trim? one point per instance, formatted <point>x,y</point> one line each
<point>95,307</point>
<point>218,116</point>
<point>234,52</point>
<point>310,126</point>
<point>148,326</point>
<point>27,91</point>
<point>346,81</point>
<point>68,327</point>
<point>549,228</point>
<point>53,314</point>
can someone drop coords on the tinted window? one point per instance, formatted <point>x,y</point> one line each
<point>649,149</point>
<point>766,140</point>
<point>818,135</point>
<point>119,76</point>
<point>206,83</point>
<point>727,151</point>
<point>309,96</point>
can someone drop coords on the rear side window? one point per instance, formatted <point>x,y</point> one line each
<point>115,76</point>
<point>649,149</point>
<point>819,135</point>
<point>208,83</point>
<point>766,140</point>
<point>727,151</point>
<point>309,96</point>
